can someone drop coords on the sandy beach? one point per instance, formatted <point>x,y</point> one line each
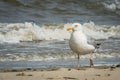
<point>85,73</point>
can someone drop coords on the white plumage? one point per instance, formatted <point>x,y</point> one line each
<point>78,42</point>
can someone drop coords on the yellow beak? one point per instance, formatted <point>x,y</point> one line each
<point>69,28</point>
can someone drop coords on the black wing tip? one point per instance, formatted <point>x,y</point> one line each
<point>97,45</point>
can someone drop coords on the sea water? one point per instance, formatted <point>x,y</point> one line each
<point>30,45</point>
<point>33,32</point>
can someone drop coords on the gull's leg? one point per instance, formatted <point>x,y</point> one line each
<point>91,60</point>
<point>78,65</point>
<point>91,63</point>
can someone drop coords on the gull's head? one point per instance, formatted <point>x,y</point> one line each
<point>75,27</point>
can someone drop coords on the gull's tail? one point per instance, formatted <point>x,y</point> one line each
<point>97,45</point>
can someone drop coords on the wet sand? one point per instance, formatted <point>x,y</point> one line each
<point>61,73</point>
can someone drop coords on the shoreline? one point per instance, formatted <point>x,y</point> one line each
<point>51,68</point>
<point>62,73</point>
<point>56,68</point>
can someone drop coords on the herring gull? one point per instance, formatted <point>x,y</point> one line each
<point>78,42</point>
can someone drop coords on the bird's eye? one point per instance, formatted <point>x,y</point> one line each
<point>76,25</point>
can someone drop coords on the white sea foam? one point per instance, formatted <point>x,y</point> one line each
<point>113,6</point>
<point>101,55</point>
<point>52,57</point>
<point>16,32</point>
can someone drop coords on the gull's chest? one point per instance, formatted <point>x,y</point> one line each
<point>78,42</point>
<point>78,38</point>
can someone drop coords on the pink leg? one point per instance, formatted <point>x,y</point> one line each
<point>78,65</point>
<point>91,60</point>
<point>91,63</point>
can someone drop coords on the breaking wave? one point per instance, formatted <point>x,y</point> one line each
<point>17,32</point>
